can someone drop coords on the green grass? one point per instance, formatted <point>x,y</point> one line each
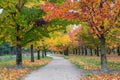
<point>6,58</point>
<point>9,64</point>
<point>9,60</point>
<point>114,65</point>
<point>91,63</point>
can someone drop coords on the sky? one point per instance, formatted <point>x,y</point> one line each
<point>1,10</point>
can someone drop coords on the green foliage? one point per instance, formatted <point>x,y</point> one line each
<point>59,25</point>
<point>63,22</point>
<point>56,1</point>
<point>5,48</point>
<point>25,17</point>
<point>87,37</point>
<point>113,34</point>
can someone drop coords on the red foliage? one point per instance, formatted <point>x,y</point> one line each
<point>93,12</point>
<point>48,7</point>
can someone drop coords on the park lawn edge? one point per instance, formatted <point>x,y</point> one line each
<point>97,74</point>
<point>13,73</point>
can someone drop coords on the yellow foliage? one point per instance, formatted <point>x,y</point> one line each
<point>58,43</point>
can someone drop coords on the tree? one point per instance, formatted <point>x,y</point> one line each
<point>88,40</point>
<point>18,20</point>
<point>32,53</point>
<point>58,42</point>
<point>100,15</point>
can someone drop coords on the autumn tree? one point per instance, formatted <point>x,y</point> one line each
<point>88,40</point>
<point>58,42</point>
<point>100,15</point>
<point>18,19</point>
<point>75,40</point>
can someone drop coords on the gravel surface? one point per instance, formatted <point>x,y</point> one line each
<point>58,69</point>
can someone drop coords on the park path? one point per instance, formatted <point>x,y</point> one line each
<point>58,69</point>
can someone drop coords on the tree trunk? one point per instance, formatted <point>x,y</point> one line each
<point>18,56</point>
<point>91,52</point>
<point>79,51</point>
<point>43,54</point>
<point>109,51</point>
<point>60,52</point>
<point>118,51</point>
<point>97,51</point>
<point>66,52</point>
<point>85,51</point>
<point>38,54</point>
<point>103,55</point>
<point>18,48</point>
<point>82,51</point>
<point>32,54</point>
<point>76,51</point>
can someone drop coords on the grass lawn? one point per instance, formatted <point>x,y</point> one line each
<point>9,72</point>
<point>93,63</point>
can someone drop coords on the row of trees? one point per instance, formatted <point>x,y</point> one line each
<point>19,25</point>
<point>77,40</point>
<point>23,26</point>
<point>101,16</point>
<point>7,49</point>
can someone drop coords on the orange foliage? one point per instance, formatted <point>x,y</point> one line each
<point>99,15</point>
<point>115,76</point>
<point>14,73</point>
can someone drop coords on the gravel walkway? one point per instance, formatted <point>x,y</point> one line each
<point>58,69</point>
